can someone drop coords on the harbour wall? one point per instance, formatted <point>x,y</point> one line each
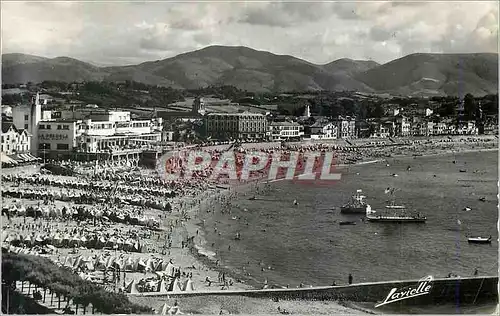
<point>461,291</point>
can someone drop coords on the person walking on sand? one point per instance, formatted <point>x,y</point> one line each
<point>350,278</point>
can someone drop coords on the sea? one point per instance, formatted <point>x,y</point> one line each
<point>285,244</point>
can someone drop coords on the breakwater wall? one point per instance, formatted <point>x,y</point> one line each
<point>447,290</point>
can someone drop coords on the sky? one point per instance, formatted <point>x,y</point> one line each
<point>121,33</point>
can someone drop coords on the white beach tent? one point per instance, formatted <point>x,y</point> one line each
<point>170,269</point>
<point>165,309</point>
<point>119,263</point>
<point>163,286</point>
<point>140,264</point>
<point>149,265</point>
<point>189,286</point>
<point>130,265</point>
<point>78,261</point>
<point>110,261</point>
<point>177,286</point>
<point>100,262</point>
<point>89,263</point>
<point>69,262</point>
<point>131,288</point>
<point>157,265</point>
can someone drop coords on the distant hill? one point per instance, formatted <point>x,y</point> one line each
<point>434,74</point>
<point>20,68</point>
<point>350,66</point>
<point>242,67</point>
<point>262,71</point>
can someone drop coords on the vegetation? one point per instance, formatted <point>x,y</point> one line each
<point>44,273</point>
<point>131,94</point>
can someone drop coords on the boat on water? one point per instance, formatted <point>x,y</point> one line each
<point>396,218</point>
<point>357,205</point>
<point>393,204</point>
<point>479,240</point>
<point>347,223</point>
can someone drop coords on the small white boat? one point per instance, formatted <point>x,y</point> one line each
<point>479,240</point>
<point>398,207</point>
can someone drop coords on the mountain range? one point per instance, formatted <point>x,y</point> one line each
<point>261,71</point>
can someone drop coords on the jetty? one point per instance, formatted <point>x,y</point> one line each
<point>466,290</point>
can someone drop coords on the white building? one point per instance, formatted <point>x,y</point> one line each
<point>402,126</point>
<point>14,140</point>
<point>245,125</point>
<point>324,130</point>
<point>6,110</point>
<point>64,136</point>
<point>285,130</point>
<point>346,127</point>
<point>58,137</point>
<point>27,117</point>
<point>307,112</point>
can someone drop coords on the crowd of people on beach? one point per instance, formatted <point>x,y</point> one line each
<point>100,204</point>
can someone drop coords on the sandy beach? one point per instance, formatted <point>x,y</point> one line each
<point>180,236</point>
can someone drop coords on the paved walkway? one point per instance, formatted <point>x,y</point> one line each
<point>53,306</point>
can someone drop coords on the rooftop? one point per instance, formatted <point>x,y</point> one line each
<point>286,123</point>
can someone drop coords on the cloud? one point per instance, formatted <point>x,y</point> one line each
<point>121,32</point>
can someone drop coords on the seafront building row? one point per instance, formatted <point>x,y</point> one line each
<point>89,133</point>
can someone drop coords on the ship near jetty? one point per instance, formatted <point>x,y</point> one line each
<point>396,218</point>
<point>357,205</point>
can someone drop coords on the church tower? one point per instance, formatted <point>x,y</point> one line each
<point>35,118</point>
<point>307,112</point>
<point>198,105</point>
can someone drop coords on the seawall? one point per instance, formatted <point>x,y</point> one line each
<point>463,291</point>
